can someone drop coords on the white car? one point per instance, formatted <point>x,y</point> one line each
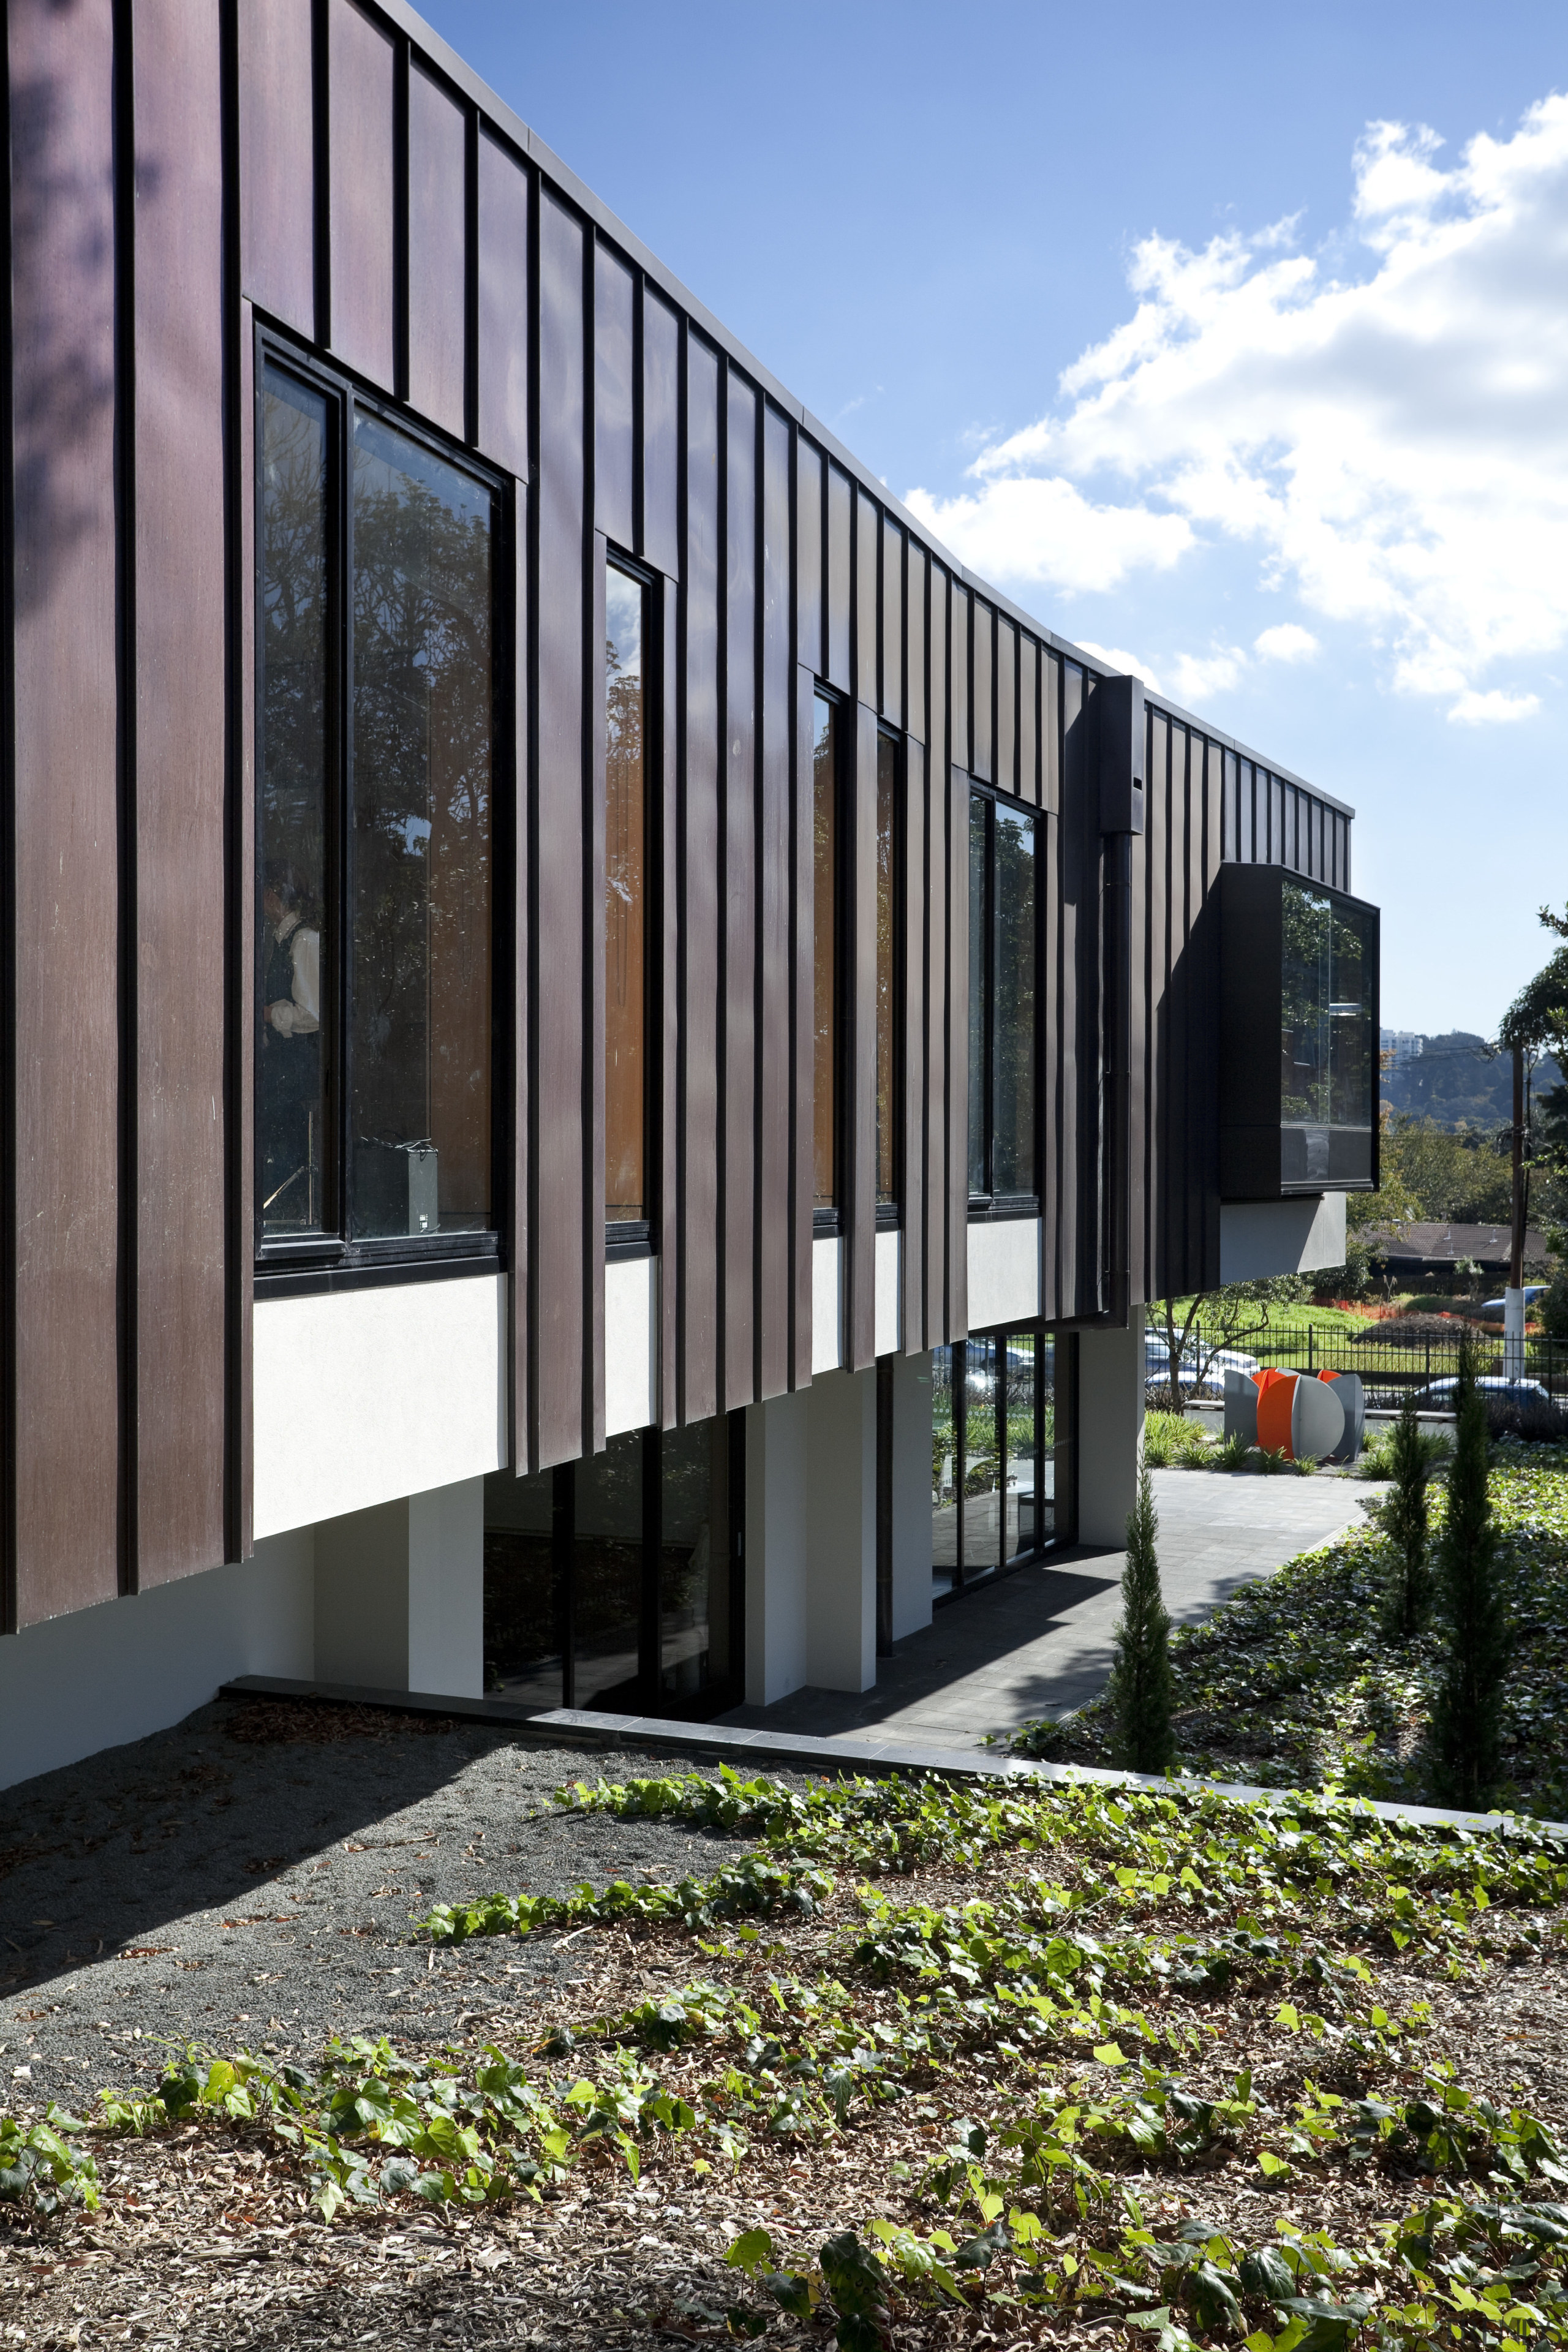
<point>1157,1364</point>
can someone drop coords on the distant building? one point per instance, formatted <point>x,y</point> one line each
<point>1431,1252</point>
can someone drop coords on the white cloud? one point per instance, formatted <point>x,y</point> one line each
<point>1197,677</point>
<point>1473,709</point>
<point>1118,658</point>
<point>1389,430</point>
<point>1286,642</point>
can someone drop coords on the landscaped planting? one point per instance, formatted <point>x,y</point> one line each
<point>1299,1680</point>
<point>993,2064</point>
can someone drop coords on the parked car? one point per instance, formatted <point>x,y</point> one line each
<point>1532,1291</point>
<point>1437,1396</point>
<point>1157,1365</point>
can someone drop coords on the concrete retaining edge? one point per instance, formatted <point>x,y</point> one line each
<point>567,1726</point>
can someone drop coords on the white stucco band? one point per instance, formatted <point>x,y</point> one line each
<point>364,1395</point>
<point>631,1344</point>
<point>1004,1272</point>
<point>1266,1237</point>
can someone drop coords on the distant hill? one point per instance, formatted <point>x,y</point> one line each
<point>1452,1079</point>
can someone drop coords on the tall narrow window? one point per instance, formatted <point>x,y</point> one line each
<point>626,886</point>
<point>825,954</point>
<point>294,622</point>
<point>1003,1032</point>
<point>375,984</point>
<point>887,970</point>
<point>423,737</point>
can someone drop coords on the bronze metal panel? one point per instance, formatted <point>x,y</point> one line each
<point>808,546</point>
<point>1204,1156</point>
<point>892,661</point>
<point>1157,834</point>
<point>957,1171</point>
<point>868,564</point>
<point>698,887</point>
<point>982,691</point>
<point>1006,743</point>
<point>912,1155</point>
<point>1029,720</point>
<point>860,1025</point>
<point>1186,821</point>
<point>933,1328</point>
<point>278,161</point>
<point>61,1495</point>
<point>660,436</point>
<point>1078,783</point>
<point>959,749</point>
<point>1048,851</point>
<point>501,360</point>
<point>739,1333</point>
<point>559,932</point>
<point>1137,1056</point>
<point>612,397</point>
<point>181,736</point>
<point>840,576</point>
<point>362,195</point>
<point>802,1013</point>
<point>916,593</point>
<point>774,874</point>
<point>519,1139</point>
<point>667,1145</point>
<point>437,255</point>
<point>595,831</point>
<point>1050,731</point>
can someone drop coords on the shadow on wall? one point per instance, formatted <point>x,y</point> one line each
<point>58,208</point>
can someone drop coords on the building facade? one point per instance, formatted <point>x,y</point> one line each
<point>600,1046</point>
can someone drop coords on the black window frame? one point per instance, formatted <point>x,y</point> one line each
<point>972,1576</point>
<point>284,1265</point>
<point>830,1220</point>
<point>989,1203</point>
<point>889,1213</point>
<point>635,1237</point>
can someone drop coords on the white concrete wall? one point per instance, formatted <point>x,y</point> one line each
<point>776,1547</point>
<point>1004,1272</point>
<point>366,1395</point>
<point>102,1676</point>
<point>911,1494</point>
<point>827,1304</point>
<point>400,1593</point>
<point>890,1320</point>
<point>631,1344</point>
<point>1110,1374</point>
<point>1266,1237</point>
<point>841,1531</point>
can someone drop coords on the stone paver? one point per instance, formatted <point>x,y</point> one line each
<point>1039,1641</point>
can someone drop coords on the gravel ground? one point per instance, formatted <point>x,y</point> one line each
<point>249,1878</point>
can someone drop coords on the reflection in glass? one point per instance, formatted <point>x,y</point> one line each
<point>1013,1079</point>
<point>694,1560</point>
<point>825,952</point>
<point>606,1573</point>
<point>982,1460</point>
<point>1326,1050</point>
<point>887,970</point>
<point>979,989</point>
<point>993,1456</point>
<point>626,861</point>
<point>423,738</point>
<point>525,1621</point>
<point>944,1472</point>
<point>295,715</point>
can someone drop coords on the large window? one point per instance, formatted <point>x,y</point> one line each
<point>824,803</point>
<point>994,1439</point>
<point>615,1581</point>
<point>375,1025</point>
<point>1004,949</point>
<point>887,974</point>
<point>625,897</point>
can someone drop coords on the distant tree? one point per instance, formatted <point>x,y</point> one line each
<point>1141,1691</point>
<point>1405,1523</point>
<point>1465,1733</point>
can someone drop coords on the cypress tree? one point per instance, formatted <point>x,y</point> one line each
<point>1467,1710</point>
<point>1141,1689</point>
<point>1404,1522</point>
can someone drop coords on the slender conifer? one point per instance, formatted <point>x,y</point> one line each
<point>1467,1710</point>
<point>1404,1522</point>
<point>1141,1689</point>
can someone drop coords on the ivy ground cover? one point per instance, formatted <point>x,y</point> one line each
<point>919,2063</point>
<point>1295,1681</point>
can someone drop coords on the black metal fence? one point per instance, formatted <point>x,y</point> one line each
<point>1389,1369</point>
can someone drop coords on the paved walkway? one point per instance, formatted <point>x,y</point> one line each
<point>1039,1643</point>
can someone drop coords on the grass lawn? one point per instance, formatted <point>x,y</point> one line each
<point>927,2065</point>
<point>1293,1683</point>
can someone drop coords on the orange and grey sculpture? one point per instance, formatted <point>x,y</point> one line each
<point>1304,1416</point>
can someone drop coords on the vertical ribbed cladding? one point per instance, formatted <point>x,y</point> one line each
<point>125,584</point>
<point>776,1221</point>
<point>738,765</point>
<point>7,887</point>
<point>700,903</point>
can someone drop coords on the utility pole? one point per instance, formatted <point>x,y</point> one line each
<point>1513,1299</point>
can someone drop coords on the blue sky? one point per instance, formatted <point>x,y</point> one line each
<point>1231,341</point>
